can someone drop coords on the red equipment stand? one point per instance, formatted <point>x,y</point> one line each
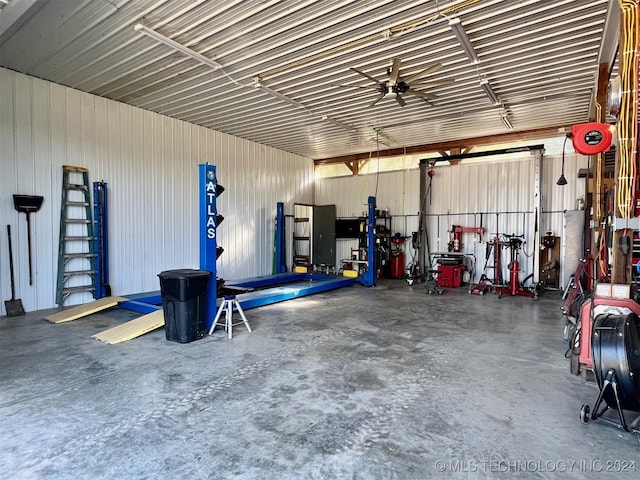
<point>397,266</point>
<point>514,284</point>
<point>455,244</point>
<point>515,289</point>
<point>397,257</point>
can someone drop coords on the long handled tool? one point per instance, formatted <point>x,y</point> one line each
<point>14,306</point>
<point>28,204</point>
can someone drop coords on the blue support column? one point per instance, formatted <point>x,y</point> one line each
<point>370,276</point>
<point>281,266</point>
<point>101,239</point>
<point>208,189</point>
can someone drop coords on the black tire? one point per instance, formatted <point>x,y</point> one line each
<point>585,414</point>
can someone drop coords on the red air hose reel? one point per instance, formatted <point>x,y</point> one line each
<point>591,138</point>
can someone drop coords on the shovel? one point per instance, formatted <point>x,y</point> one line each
<point>14,306</point>
<point>28,204</point>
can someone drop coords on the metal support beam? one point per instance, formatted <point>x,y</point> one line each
<point>423,252</point>
<point>502,151</point>
<point>538,208</point>
<point>593,202</point>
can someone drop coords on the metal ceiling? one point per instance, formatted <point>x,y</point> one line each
<point>541,58</point>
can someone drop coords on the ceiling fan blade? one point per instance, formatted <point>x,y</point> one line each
<point>428,96</point>
<point>395,70</point>
<point>380,97</point>
<point>433,68</point>
<point>368,87</point>
<point>400,101</point>
<point>366,75</point>
<point>436,83</point>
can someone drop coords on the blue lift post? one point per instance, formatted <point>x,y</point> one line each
<point>208,184</point>
<point>370,276</point>
<point>101,240</point>
<point>281,266</point>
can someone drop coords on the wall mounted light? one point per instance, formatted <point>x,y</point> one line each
<point>176,46</point>
<point>463,39</point>
<point>488,90</point>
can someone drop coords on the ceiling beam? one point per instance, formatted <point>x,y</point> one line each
<point>463,144</point>
<point>353,166</point>
<point>454,151</point>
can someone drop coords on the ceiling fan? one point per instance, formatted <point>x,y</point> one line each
<point>397,85</point>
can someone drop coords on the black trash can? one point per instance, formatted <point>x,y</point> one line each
<point>184,303</point>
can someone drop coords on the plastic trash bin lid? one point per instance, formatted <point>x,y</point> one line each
<point>185,273</point>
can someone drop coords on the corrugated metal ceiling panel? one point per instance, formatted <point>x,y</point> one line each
<point>540,57</point>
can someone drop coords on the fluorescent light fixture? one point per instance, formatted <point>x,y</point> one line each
<point>282,97</point>
<point>504,115</point>
<point>176,46</point>
<point>463,39</point>
<point>486,86</point>
<point>337,123</point>
<point>506,122</point>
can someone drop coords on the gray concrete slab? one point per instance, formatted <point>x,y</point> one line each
<point>358,383</point>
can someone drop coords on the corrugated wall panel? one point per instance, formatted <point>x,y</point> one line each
<point>150,164</point>
<point>502,191</point>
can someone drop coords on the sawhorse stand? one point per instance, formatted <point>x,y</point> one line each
<point>228,305</point>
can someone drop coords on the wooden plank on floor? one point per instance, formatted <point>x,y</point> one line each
<point>132,329</point>
<point>80,311</point>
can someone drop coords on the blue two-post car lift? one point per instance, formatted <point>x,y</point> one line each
<point>268,289</point>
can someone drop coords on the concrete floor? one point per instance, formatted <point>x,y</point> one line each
<point>377,383</point>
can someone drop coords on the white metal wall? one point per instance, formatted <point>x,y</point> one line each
<point>150,163</point>
<point>459,194</point>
